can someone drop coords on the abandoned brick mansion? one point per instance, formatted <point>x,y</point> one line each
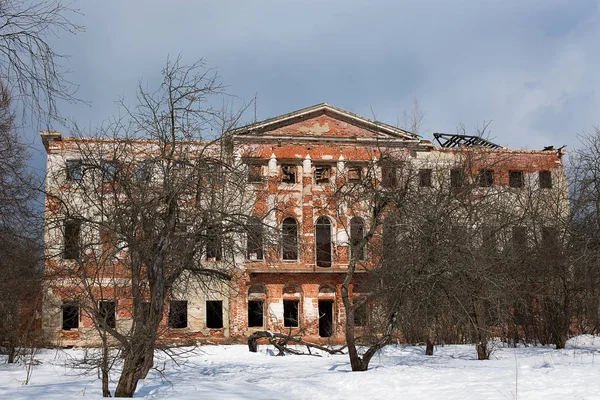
<point>291,165</point>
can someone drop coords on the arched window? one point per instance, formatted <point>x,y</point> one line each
<point>357,233</point>
<point>323,242</point>
<point>255,239</point>
<point>289,239</point>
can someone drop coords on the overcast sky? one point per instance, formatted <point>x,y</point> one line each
<point>530,66</point>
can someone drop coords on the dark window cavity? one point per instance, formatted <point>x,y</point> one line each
<point>254,173</point>
<point>389,176</point>
<point>214,314</point>
<point>290,313</point>
<point>515,179</point>
<point>549,237</point>
<point>354,174</point>
<point>457,178</point>
<point>545,179</point>
<point>72,237</point>
<point>109,170</point>
<point>425,177</point>
<point>288,174</point>
<point>255,313</point>
<point>357,233</point>
<point>486,178</point>
<point>178,317</point>
<point>74,170</point>
<point>289,238</point>
<point>70,316</point>
<point>107,313</point>
<point>254,239</point>
<point>213,244</point>
<point>325,318</point>
<point>324,251</point>
<point>322,174</point>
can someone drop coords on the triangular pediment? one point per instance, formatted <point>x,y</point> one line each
<point>324,120</point>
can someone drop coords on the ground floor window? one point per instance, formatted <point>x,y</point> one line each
<point>325,318</point>
<point>290,313</point>
<point>214,314</point>
<point>255,313</point>
<point>178,314</point>
<point>360,315</point>
<point>107,313</point>
<point>70,316</point>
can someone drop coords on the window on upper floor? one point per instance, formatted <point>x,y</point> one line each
<point>486,178</point>
<point>109,170</point>
<point>323,242</point>
<point>425,177</point>
<point>545,178</point>
<point>289,239</point>
<point>72,239</point>
<point>515,179</point>
<point>457,178</point>
<point>254,239</point>
<point>254,173</point>
<point>74,170</point>
<point>357,233</point>
<point>389,175</point>
<point>354,173</point>
<point>214,250</point>
<point>288,174</point>
<point>322,174</point>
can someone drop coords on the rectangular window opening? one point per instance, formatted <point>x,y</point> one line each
<point>214,314</point>
<point>254,173</point>
<point>70,316</point>
<point>322,174</point>
<point>255,313</point>
<point>354,174</point>
<point>72,237</point>
<point>425,177</point>
<point>107,313</point>
<point>290,313</point>
<point>457,178</point>
<point>74,170</point>
<point>545,179</point>
<point>389,176</point>
<point>515,179</point>
<point>486,178</point>
<point>288,174</point>
<point>178,317</point>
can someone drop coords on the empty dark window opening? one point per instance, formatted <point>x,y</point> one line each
<point>357,233</point>
<point>255,313</point>
<point>515,179</point>
<point>70,316</point>
<point>74,170</point>
<point>178,316</point>
<point>360,315</point>
<point>214,314</point>
<point>289,237</point>
<point>457,178</point>
<point>254,173</point>
<point>354,174</point>
<point>72,249</point>
<point>288,174</point>
<point>290,313</point>
<point>254,239</point>
<point>322,174</point>
<point>213,245</point>
<point>107,313</point>
<point>425,177</point>
<point>323,242</point>
<point>389,177</point>
<point>325,318</point>
<point>545,179</point>
<point>549,237</point>
<point>486,178</point>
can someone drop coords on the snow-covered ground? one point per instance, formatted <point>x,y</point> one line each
<point>231,372</point>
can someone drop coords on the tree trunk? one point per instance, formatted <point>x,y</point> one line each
<point>105,367</point>
<point>429,348</point>
<point>12,354</point>
<point>135,367</point>
<point>482,351</point>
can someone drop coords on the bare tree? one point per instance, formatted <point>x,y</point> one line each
<point>159,189</point>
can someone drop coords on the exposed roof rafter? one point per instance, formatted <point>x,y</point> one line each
<point>455,140</point>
